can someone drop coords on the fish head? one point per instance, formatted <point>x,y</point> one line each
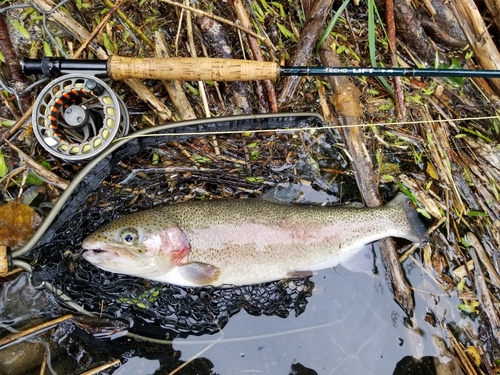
<point>143,243</point>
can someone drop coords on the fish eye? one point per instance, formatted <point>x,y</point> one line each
<point>129,236</point>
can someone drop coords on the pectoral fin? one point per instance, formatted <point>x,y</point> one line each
<point>199,273</point>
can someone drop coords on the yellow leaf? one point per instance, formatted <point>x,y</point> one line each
<point>474,354</point>
<point>17,224</point>
<point>431,171</point>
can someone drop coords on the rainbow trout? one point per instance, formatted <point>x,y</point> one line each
<point>243,241</point>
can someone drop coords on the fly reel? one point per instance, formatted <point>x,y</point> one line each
<point>77,116</point>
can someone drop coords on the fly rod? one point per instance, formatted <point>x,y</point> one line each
<point>217,69</point>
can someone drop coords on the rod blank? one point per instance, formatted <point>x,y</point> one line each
<point>390,72</point>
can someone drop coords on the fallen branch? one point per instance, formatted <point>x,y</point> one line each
<point>348,105</point>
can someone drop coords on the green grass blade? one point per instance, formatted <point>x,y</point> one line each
<point>371,41</point>
<point>331,24</point>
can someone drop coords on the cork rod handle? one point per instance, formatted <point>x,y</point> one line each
<point>191,69</point>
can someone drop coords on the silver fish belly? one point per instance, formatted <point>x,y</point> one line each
<point>243,242</point>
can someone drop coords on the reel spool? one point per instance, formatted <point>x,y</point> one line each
<point>77,116</point>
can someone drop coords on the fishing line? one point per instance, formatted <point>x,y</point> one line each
<point>378,124</point>
<point>295,130</point>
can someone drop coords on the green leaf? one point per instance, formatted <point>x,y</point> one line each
<point>465,241</point>
<point>494,187</point>
<point>107,43</point>
<point>33,179</point>
<point>7,123</point>
<point>286,33</point>
<point>259,13</point>
<point>461,284</point>
<point>477,134</point>
<point>477,213</point>
<point>455,64</point>
<point>201,159</point>
<point>255,179</point>
<point>466,308</point>
<point>470,306</point>
<point>191,88</point>
<point>280,7</point>
<point>331,24</point>
<point>372,9</point>
<point>408,193</point>
<point>4,169</point>
<point>81,5</point>
<point>424,213</point>
<point>155,159</point>
<point>2,59</point>
<point>22,30</point>
<point>47,51</point>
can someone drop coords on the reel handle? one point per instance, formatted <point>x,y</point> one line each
<point>191,69</point>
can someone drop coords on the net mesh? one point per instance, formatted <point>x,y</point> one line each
<point>164,169</point>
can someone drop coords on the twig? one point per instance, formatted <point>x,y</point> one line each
<point>484,296</point>
<point>101,368</point>
<point>29,331</point>
<point>223,20</point>
<point>327,114</point>
<point>97,30</point>
<point>43,172</point>
<point>25,117</point>
<point>391,33</point>
<point>131,24</point>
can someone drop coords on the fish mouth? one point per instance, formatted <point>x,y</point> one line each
<point>100,252</point>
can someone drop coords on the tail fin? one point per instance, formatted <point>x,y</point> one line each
<point>417,230</point>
